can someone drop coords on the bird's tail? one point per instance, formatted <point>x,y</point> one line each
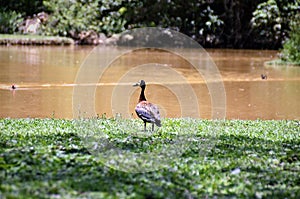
<point>158,123</point>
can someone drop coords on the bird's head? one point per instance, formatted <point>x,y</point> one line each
<point>141,83</point>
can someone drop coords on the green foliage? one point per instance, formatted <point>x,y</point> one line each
<point>72,17</point>
<point>45,158</point>
<point>218,23</point>
<point>112,16</point>
<point>10,21</point>
<point>291,48</point>
<point>194,18</point>
<point>271,21</point>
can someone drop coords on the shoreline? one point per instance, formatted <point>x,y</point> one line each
<point>10,39</point>
<point>39,40</point>
<point>279,62</point>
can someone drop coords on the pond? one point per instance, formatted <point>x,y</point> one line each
<point>67,82</point>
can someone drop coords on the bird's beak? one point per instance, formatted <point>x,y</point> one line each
<point>136,84</point>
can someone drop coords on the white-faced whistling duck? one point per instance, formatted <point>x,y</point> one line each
<point>145,110</point>
<point>263,76</point>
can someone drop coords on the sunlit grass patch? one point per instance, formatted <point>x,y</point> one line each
<point>48,158</point>
<point>10,39</point>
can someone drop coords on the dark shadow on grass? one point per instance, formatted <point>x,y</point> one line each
<point>66,162</point>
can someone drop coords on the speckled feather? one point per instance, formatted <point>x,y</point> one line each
<point>148,112</point>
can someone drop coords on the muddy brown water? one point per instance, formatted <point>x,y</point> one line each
<point>48,83</point>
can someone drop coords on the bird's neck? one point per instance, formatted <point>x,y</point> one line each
<point>142,95</point>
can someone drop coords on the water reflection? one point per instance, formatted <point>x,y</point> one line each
<point>45,78</point>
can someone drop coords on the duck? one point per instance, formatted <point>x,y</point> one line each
<point>145,110</point>
<point>263,76</point>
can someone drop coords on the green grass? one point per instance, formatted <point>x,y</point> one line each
<point>9,39</point>
<point>50,158</point>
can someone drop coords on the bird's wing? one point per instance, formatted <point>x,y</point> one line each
<point>148,112</point>
<point>156,115</point>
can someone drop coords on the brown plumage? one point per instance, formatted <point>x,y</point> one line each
<point>145,110</point>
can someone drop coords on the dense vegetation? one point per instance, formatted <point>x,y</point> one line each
<point>218,23</point>
<point>46,158</point>
<point>262,24</point>
<point>291,47</point>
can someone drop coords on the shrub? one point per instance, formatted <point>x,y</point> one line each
<point>271,21</point>
<point>68,18</point>
<point>291,48</point>
<point>196,19</point>
<point>9,21</point>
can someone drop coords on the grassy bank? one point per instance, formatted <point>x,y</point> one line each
<point>47,158</point>
<point>6,39</point>
<point>279,62</point>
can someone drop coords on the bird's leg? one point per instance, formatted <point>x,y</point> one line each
<point>152,127</point>
<point>145,126</point>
